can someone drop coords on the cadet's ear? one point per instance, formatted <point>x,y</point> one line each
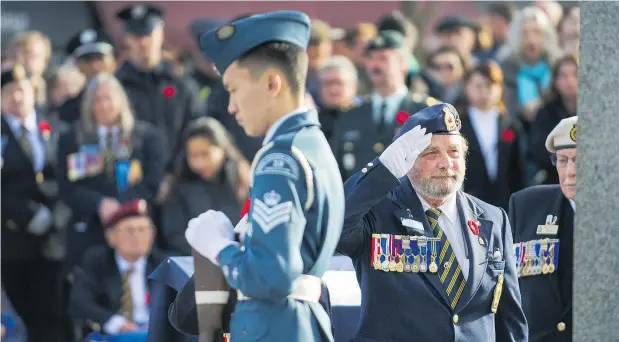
<point>274,82</point>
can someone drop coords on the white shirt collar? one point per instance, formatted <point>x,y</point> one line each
<point>449,209</point>
<point>123,265</point>
<point>102,130</point>
<point>279,122</point>
<point>573,204</point>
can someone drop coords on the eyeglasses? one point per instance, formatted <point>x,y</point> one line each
<point>561,161</point>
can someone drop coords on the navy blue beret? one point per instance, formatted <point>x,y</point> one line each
<point>441,118</point>
<point>227,43</point>
<point>140,19</point>
<point>16,73</point>
<point>90,41</point>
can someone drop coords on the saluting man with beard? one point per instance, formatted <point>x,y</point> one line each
<point>434,263</point>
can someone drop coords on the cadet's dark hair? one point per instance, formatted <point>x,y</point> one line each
<point>289,58</point>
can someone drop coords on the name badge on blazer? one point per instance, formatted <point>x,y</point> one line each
<point>550,228</point>
<point>410,223</point>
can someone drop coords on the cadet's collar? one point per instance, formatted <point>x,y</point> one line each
<point>298,117</point>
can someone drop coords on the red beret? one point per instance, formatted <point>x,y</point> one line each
<point>134,208</point>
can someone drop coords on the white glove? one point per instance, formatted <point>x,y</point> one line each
<point>41,222</point>
<point>400,156</point>
<point>243,228</point>
<point>210,233</point>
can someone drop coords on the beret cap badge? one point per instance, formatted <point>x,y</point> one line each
<point>451,122</point>
<point>225,32</point>
<point>573,133</point>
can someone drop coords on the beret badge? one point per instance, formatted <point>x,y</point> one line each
<point>451,121</point>
<point>573,133</point>
<point>225,32</point>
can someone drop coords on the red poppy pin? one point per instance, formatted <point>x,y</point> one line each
<point>508,135</point>
<point>473,226</point>
<point>147,299</point>
<point>169,91</point>
<point>401,117</point>
<point>46,129</point>
<point>245,209</point>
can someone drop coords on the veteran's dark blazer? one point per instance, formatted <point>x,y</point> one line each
<point>546,299</point>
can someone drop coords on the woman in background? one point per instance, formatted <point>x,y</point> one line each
<point>559,103</point>
<point>494,163</point>
<point>210,174</point>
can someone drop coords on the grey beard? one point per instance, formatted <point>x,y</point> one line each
<point>427,188</point>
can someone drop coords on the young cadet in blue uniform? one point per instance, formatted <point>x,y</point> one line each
<point>106,159</point>
<point>297,199</point>
<point>433,263</point>
<point>542,219</point>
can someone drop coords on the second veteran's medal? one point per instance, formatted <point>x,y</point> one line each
<point>406,246</point>
<point>399,266</point>
<point>544,255</point>
<point>415,254</point>
<point>392,254</point>
<point>384,258</point>
<point>423,253</point>
<point>433,265</point>
<point>497,293</point>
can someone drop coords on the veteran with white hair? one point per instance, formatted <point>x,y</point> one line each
<point>542,218</point>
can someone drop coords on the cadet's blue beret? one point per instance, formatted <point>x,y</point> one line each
<point>227,43</point>
<point>198,27</point>
<point>140,19</point>
<point>441,118</point>
<point>16,73</point>
<point>90,41</point>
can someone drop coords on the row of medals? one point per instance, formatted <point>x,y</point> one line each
<point>404,260</point>
<point>529,263</point>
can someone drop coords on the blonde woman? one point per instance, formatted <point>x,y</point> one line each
<point>109,158</point>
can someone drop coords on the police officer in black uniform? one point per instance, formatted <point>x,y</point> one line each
<point>542,218</point>
<point>363,133</point>
<point>204,72</point>
<point>93,52</point>
<point>29,195</point>
<point>156,93</point>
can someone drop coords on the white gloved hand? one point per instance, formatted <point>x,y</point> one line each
<point>400,156</point>
<point>210,233</point>
<point>243,228</point>
<point>41,222</point>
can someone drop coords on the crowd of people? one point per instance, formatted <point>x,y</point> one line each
<point>106,158</point>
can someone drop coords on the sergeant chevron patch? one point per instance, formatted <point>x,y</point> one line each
<point>269,217</point>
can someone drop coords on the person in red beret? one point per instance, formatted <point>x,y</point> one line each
<point>111,290</point>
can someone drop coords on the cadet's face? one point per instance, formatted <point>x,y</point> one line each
<point>105,108</point>
<point>248,99</point>
<point>18,98</point>
<point>204,158</point>
<point>132,237</point>
<point>532,40</point>
<point>566,168</point>
<point>439,170</point>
